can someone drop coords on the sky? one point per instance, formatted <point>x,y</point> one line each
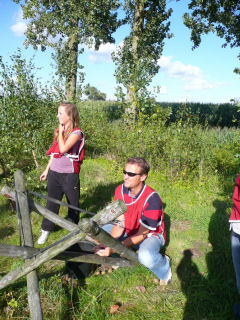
<point>202,75</point>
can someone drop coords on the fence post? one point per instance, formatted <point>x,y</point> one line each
<point>32,278</point>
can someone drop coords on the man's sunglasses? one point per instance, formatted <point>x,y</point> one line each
<point>131,174</point>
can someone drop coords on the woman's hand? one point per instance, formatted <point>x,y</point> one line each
<point>43,176</point>
<point>61,129</point>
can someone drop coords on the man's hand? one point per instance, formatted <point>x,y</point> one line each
<point>102,251</point>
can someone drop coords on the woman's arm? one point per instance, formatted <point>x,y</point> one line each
<point>43,176</point>
<point>65,146</point>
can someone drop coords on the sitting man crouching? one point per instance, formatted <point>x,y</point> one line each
<point>142,225</point>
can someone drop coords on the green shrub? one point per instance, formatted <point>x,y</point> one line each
<point>26,117</point>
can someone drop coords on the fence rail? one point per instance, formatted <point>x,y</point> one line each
<point>87,229</point>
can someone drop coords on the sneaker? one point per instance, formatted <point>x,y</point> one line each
<point>43,238</point>
<point>169,277</point>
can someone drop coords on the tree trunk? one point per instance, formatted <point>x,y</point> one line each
<point>138,26</point>
<point>71,78</point>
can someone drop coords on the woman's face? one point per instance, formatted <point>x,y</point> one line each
<point>63,118</point>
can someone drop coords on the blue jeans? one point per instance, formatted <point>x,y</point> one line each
<point>235,242</point>
<point>149,254</point>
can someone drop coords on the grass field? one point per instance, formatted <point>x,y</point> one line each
<point>198,242</point>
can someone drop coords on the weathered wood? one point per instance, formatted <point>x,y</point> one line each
<point>7,250</point>
<point>34,206</point>
<point>91,227</point>
<point>110,212</point>
<point>32,278</point>
<point>8,193</point>
<point>38,260</point>
<point>106,215</point>
<point>95,259</point>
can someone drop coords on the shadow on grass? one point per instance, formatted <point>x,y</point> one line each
<point>6,231</point>
<point>99,197</point>
<point>210,296</point>
<point>167,223</point>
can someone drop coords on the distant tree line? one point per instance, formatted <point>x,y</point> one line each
<point>206,114</point>
<point>213,115</point>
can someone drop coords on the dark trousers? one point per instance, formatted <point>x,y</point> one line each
<point>58,185</point>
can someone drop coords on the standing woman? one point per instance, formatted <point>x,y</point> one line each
<point>66,156</point>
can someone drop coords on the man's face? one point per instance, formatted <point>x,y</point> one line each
<point>137,180</point>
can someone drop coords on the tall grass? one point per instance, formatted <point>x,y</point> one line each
<point>183,149</point>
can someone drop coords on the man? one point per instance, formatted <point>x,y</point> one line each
<point>142,225</point>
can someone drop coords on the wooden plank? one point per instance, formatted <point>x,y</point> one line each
<point>96,232</point>
<point>37,261</point>
<point>32,278</point>
<point>95,259</point>
<point>7,250</point>
<point>106,215</point>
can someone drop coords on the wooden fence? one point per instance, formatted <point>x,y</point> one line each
<point>87,229</point>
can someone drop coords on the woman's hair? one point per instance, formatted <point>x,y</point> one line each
<point>72,112</point>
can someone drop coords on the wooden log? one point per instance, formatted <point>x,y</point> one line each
<point>37,261</point>
<point>106,215</point>
<point>8,193</point>
<point>95,259</point>
<point>110,212</point>
<point>32,278</point>
<point>113,210</point>
<point>91,227</point>
<point>34,206</point>
<point>7,250</point>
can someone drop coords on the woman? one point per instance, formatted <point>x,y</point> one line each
<point>66,156</point>
<point>235,239</point>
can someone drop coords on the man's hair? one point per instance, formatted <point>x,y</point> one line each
<point>142,163</point>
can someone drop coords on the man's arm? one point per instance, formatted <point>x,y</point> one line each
<point>130,241</point>
<point>137,237</point>
<point>117,230</point>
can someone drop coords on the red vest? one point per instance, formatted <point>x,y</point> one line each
<point>235,215</point>
<point>76,157</point>
<point>135,210</point>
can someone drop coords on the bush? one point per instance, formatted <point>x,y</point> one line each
<point>183,149</point>
<point>26,117</point>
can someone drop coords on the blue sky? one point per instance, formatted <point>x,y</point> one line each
<point>203,75</point>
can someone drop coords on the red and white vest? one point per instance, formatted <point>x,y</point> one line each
<point>135,211</point>
<point>76,157</point>
<point>235,214</point>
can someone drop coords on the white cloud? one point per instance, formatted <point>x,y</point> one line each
<point>20,26</point>
<point>192,76</point>
<point>103,54</point>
